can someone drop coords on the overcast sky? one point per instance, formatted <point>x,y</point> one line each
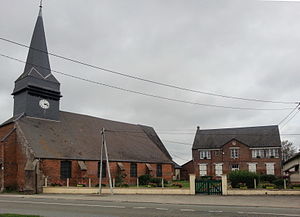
<point>238,48</point>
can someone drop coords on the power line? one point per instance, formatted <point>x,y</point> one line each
<point>148,80</point>
<point>147,94</point>
<point>206,134</point>
<point>180,143</point>
<point>289,114</point>
<point>291,118</point>
<point>179,156</point>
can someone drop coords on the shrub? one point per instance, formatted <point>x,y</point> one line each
<point>119,180</point>
<point>144,179</point>
<point>177,184</point>
<point>103,185</point>
<point>296,185</point>
<point>266,185</point>
<point>242,176</point>
<point>267,178</point>
<point>206,178</point>
<point>279,183</point>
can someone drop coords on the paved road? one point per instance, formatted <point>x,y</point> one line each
<point>50,207</point>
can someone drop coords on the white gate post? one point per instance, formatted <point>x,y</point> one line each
<point>192,184</point>
<point>224,185</point>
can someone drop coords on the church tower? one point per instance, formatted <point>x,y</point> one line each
<point>37,92</point>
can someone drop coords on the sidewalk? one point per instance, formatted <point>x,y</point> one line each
<point>259,201</point>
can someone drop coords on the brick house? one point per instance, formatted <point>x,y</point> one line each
<point>41,141</point>
<point>219,151</point>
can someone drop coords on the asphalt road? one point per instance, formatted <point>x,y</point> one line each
<point>77,208</point>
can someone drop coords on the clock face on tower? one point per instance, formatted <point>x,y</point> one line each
<point>44,104</point>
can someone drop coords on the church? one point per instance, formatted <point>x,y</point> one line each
<point>41,143</point>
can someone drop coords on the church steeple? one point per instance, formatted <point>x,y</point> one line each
<point>37,86</point>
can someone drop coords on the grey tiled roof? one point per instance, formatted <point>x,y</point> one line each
<point>78,137</point>
<point>261,136</point>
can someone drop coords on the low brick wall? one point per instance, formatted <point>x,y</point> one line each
<point>85,190</point>
<point>262,192</point>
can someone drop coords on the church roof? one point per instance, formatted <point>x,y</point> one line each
<point>37,64</point>
<point>78,137</point>
<point>254,137</point>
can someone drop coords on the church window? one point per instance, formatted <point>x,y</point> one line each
<point>133,170</point>
<point>65,169</point>
<point>159,170</point>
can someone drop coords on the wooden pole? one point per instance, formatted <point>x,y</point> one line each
<point>101,161</point>
<point>107,162</point>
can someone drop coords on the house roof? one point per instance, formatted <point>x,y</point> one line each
<point>292,158</point>
<point>78,137</point>
<point>261,136</point>
<point>176,165</point>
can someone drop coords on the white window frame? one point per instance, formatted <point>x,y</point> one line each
<point>203,169</point>
<point>252,167</point>
<point>270,168</point>
<point>205,154</point>
<point>235,168</point>
<point>234,153</point>
<point>218,169</point>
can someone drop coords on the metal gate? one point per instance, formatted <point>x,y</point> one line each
<point>210,187</point>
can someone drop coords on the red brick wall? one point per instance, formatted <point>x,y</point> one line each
<point>245,157</point>
<point>187,169</point>
<point>51,169</point>
<point>10,164</point>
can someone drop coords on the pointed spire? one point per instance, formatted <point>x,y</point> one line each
<point>37,64</point>
<point>41,6</point>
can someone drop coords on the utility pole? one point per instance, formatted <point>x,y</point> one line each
<point>103,144</point>
<point>101,160</point>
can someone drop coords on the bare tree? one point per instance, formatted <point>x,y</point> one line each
<point>288,150</point>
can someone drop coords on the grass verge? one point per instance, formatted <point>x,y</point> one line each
<point>16,215</point>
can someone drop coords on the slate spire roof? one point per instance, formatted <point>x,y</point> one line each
<point>37,64</point>
<point>37,77</point>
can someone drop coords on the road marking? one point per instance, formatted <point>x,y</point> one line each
<point>139,207</point>
<point>269,213</point>
<point>63,204</point>
<point>187,210</point>
<point>165,209</point>
<point>215,211</point>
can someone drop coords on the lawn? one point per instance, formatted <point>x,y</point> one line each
<point>16,215</point>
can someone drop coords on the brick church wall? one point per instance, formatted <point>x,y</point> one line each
<point>51,170</point>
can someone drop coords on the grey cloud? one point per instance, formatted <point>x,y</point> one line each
<point>242,48</point>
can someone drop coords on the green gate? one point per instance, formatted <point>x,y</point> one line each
<point>210,187</point>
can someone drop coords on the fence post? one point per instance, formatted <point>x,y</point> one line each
<point>137,182</point>
<point>224,185</point>
<point>68,182</point>
<point>254,183</point>
<point>114,182</point>
<point>90,182</point>
<point>162,182</point>
<point>284,183</point>
<point>192,184</point>
<point>46,182</point>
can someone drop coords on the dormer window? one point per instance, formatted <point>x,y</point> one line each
<point>205,154</point>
